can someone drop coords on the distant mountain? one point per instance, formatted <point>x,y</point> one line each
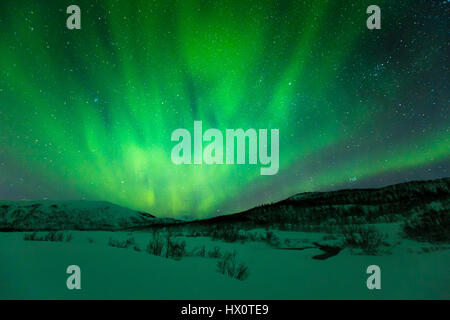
<point>71,215</point>
<point>387,204</point>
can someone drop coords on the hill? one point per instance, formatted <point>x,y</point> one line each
<point>304,211</point>
<point>71,215</point>
<point>387,204</point>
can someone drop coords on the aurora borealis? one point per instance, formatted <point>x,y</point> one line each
<point>88,114</point>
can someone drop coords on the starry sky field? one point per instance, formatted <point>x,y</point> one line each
<point>88,114</point>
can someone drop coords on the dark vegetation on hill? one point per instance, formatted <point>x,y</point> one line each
<point>423,207</point>
<point>356,206</point>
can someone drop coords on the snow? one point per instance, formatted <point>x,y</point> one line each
<point>37,270</point>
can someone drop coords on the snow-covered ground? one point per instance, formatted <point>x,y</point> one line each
<point>37,270</point>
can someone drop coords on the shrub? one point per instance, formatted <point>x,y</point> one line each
<point>121,244</point>
<point>200,253</point>
<point>50,236</point>
<point>215,253</point>
<point>30,236</point>
<point>368,239</point>
<point>228,265</point>
<point>228,233</point>
<point>271,238</point>
<point>54,236</point>
<point>156,244</point>
<point>430,225</point>
<point>175,249</point>
<point>69,237</point>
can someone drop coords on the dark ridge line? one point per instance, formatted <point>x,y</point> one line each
<point>292,201</point>
<point>243,214</point>
<point>369,189</point>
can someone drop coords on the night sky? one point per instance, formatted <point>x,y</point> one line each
<point>88,114</point>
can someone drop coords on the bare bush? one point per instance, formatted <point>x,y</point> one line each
<point>228,233</point>
<point>368,239</point>
<point>228,265</point>
<point>271,238</point>
<point>199,252</point>
<point>69,237</point>
<point>214,253</point>
<point>31,236</point>
<point>156,244</point>
<point>52,236</point>
<point>121,244</point>
<point>430,225</point>
<point>175,249</point>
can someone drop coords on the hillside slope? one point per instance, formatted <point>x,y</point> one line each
<point>386,204</point>
<point>70,215</point>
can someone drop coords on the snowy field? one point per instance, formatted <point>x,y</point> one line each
<point>37,269</point>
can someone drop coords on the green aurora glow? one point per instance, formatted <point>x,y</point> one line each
<point>89,113</point>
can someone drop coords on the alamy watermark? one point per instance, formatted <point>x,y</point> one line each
<point>236,142</point>
<point>73,22</point>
